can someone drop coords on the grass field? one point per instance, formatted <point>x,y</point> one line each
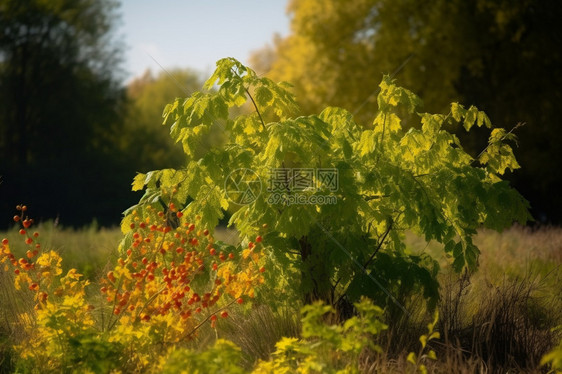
<point>495,320</point>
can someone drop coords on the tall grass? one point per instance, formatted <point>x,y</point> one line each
<point>88,249</point>
<point>501,317</point>
<point>497,319</point>
<point>16,311</point>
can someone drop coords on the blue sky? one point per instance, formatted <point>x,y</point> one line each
<point>196,33</point>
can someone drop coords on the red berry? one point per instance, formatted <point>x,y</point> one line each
<point>213,317</point>
<point>111,276</point>
<point>5,241</point>
<point>43,296</point>
<point>132,225</point>
<point>16,218</point>
<point>258,239</point>
<point>17,271</point>
<point>224,314</point>
<point>35,234</point>
<point>212,251</point>
<point>23,208</point>
<point>231,255</point>
<point>205,232</point>
<point>179,214</point>
<point>240,300</point>
<point>262,269</point>
<point>22,232</point>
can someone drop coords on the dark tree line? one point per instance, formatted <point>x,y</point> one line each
<point>61,111</point>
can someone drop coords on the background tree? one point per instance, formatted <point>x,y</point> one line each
<point>147,144</point>
<point>501,56</point>
<point>61,109</point>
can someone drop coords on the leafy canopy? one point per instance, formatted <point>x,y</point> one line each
<point>390,180</point>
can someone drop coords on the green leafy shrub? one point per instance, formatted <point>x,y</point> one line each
<point>388,180</point>
<point>327,348</point>
<point>222,357</point>
<point>424,354</point>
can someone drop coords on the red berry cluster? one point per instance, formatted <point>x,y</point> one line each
<point>28,273</point>
<point>175,273</point>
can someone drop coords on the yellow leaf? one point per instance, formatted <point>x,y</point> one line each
<point>423,340</point>
<point>412,358</point>
<point>73,274</point>
<point>138,182</point>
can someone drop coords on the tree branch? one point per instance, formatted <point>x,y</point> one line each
<point>255,106</point>
<point>372,257</point>
<point>374,197</point>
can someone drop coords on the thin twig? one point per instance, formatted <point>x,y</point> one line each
<point>251,98</point>
<point>371,258</point>
<point>255,106</point>
<point>374,197</point>
<point>207,318</point>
